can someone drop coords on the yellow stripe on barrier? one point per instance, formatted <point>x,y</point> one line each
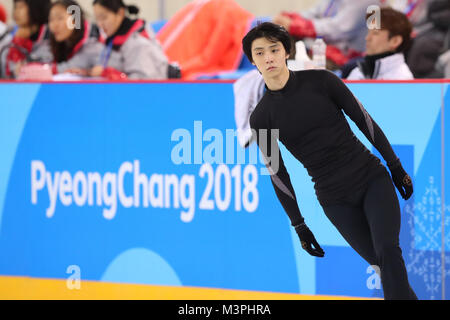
<point>26,288</point>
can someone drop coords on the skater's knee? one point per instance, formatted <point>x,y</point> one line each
<point>387,249</point>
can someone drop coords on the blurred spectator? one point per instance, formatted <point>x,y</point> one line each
<point>443,64</point>
<point>431,42</point>
<point>415,10</point>
<point>75,44</point>
<point>340,22</point>
<point>5,35</point>
<point>384,49</point>
<point>30,39</point>
<point>131,50</point>
<point>3,15</point>
<point>204,37</point>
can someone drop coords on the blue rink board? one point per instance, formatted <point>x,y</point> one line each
<point>226,229</point>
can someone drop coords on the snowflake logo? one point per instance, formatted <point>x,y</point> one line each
<point>424,258</point>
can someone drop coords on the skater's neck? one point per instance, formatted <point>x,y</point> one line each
<point>277,82</point>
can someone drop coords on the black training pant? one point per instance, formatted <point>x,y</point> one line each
<point>370,223</point>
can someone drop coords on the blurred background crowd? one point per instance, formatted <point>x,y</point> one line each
<point>201,39</point>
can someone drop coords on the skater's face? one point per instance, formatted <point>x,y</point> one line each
<point>269,57</point>
<point>378,41</point>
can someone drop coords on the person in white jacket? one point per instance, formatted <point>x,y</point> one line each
<point>5,35</point>
<point>384,57</point>
<point>29,40</point>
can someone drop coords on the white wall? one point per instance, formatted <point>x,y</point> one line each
<point>150,8</point>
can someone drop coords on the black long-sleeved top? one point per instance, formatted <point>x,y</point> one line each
<point>308,112</point>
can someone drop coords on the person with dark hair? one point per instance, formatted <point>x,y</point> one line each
<point>131,49</point>
<point>266,32</point>
<point>431,42</point>
<point>305,111</point>
<point>30,39</point>
<point>385,45</point>
<point>75,42</point>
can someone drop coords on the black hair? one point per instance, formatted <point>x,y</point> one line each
<point>116,5</point>
<point>272,32</point>
<point>37,11</point>
<point>397,24</point>
<point>62,50</point>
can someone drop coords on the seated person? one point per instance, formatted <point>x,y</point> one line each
<point>131,49</point>
<point>384,49</point>
<point>443,65</point>
<point>76,48</point>
<point>205,37</point>
<point>5,36</point>
<point>341,23</point>
<point>30,39</point>
<point>431,41</point>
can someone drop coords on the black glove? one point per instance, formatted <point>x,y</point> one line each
<point>402,180</point>
<point>307,240</point>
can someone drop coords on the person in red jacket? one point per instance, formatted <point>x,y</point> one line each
<point>30,41</point>
<point>131,49</point>
<point>3,15</point>
<point>75,43</point>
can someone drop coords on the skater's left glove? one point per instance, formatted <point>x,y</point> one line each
<point>402,180</point>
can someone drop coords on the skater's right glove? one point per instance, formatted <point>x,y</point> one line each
<point>307,240</point>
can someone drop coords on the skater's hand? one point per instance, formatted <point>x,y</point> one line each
<point>307,239</point>
<point>402,180</point>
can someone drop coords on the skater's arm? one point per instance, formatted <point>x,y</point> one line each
<point>268,145</point>
<point>345,100</point>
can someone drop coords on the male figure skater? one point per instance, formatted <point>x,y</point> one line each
<point>353,187</point>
